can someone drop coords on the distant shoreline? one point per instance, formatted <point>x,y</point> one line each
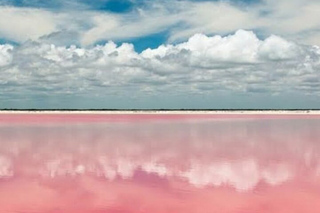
<point>65,111</point>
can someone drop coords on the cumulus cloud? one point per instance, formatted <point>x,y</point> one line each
<point>243,46</point>
<point>238,63</point>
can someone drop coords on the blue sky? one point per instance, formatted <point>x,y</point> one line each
<point>159,54</point>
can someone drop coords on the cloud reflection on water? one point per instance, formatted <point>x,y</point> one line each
<point>199,158</point>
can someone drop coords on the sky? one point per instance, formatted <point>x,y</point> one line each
<point>160,54</point>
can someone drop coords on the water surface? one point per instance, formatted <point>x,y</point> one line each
<point>121,163</point>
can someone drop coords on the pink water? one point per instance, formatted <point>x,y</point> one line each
<point>159,163</point>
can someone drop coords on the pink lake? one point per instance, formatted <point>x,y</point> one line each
<point>159,163</point>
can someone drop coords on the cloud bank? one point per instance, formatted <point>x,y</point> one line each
<point>238,63</point>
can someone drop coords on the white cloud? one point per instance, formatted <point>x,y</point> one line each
<point>276,48</point>
<point>5,55</point>
<point>104,25</point>
<point>237,63</point>
<point>291,19</point>
<point>136,24</point>
<point>242,47</point>
<point>21,24</point>
<point>186,19</point>
<point>212,18</point>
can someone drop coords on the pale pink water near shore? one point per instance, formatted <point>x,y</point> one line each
<point>181,163</point>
